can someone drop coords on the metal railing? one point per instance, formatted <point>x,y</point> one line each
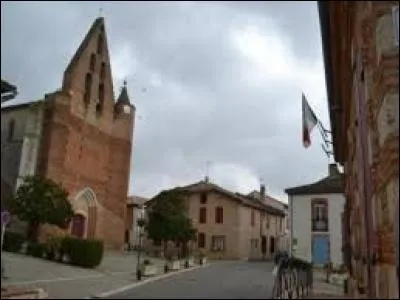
<point>293,278</point>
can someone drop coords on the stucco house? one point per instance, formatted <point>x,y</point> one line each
<point>230,225</point>
<point>315,212</point>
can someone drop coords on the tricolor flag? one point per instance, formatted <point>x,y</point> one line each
<point>309,121</point>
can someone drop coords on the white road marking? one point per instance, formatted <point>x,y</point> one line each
<point>55,279</point>
<point>143,282</point>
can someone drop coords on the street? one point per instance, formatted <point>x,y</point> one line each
<point>221,280</point>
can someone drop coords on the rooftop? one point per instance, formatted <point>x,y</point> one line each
<point>332,184</point>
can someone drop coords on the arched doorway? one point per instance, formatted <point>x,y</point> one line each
<point>84,221</point>
<point>78,225</point>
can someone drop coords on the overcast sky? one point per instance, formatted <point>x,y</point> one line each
<point>211,81</point>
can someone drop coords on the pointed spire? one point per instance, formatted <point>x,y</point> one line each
<point>123,96</point>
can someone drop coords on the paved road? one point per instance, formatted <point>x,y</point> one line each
<point>221,280</point>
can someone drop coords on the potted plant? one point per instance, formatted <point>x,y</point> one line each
<point>148,268</point>
<point>173,263</point>
<point>202,258</point>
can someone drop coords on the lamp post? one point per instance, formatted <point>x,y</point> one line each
<point>141,222</point>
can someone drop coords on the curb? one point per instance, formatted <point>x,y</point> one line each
<point>143,282</point>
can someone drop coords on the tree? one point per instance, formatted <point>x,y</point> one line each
<point>39,201</point>
<point>167,220</point>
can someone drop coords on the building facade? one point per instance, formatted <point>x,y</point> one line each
<point>230,225</point>
<point>315,211</point>
<point>80,137</point>
<point>361,54</point>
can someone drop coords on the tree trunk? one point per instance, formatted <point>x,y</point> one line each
<point>33,231</point>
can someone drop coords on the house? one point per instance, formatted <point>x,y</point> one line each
<point>283,236</point>
<point>80,137</point>
<point>230,225</point>
<point>361,56</point>
<point>315,214</point>
<point>135,211</point>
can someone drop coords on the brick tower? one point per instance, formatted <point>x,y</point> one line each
<point>87,141</point>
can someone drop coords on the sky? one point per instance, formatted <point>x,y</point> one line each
<point>217,85</point>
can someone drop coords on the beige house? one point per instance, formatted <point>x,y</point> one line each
<point>230,225</point>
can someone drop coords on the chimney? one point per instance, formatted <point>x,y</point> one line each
<point>333,170</point>
<point>262,191</point>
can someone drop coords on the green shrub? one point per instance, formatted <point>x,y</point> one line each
<point>36,249</point>
<point>13,241</point>
<point>81,252</point>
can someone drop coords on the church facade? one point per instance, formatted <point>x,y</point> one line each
<point>80,137</point>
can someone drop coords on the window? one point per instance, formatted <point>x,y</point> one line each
<point>201,242</point>
<point>203,215</point>
<point>103,71</point>
<point>203,198</point>
<point>88,88</point>
<point>92,62</point>
<point>11,128</point>
<point>100,43</point>
<point>267,221</point>
<point>253,243</point>
<point>252,217</point>
<point>319,215</point>
<point>100,102</point>
<point>218,243</point>
<point>219,215</point>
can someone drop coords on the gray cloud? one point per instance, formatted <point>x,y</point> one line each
<point>212,81</point>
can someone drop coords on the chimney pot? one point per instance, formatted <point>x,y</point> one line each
<point>262,191</point>
<point>333,170</point>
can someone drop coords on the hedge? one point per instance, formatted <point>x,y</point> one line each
<point>13,241</point>
<point>82,252</point>
<point>36,249</point>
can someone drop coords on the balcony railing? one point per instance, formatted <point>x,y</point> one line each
<point>320,225</point>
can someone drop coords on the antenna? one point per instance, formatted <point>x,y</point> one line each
<point>100,12</point>
<point>208,163</point>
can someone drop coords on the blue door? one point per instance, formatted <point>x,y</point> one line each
<point>320,249</point>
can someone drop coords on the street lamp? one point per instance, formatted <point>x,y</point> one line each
<point>141,222</point>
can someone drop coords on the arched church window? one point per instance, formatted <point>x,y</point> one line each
<point>100,103</point>
<point>92,62</point>
<point>88,87</point>
<point>100,43</point>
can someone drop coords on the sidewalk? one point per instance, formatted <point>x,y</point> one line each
<point>324,290</point>
<point>64,281</point>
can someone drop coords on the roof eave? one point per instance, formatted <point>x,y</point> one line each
<point>333,101</point>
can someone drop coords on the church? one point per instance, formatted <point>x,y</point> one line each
<point>79,136</point>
